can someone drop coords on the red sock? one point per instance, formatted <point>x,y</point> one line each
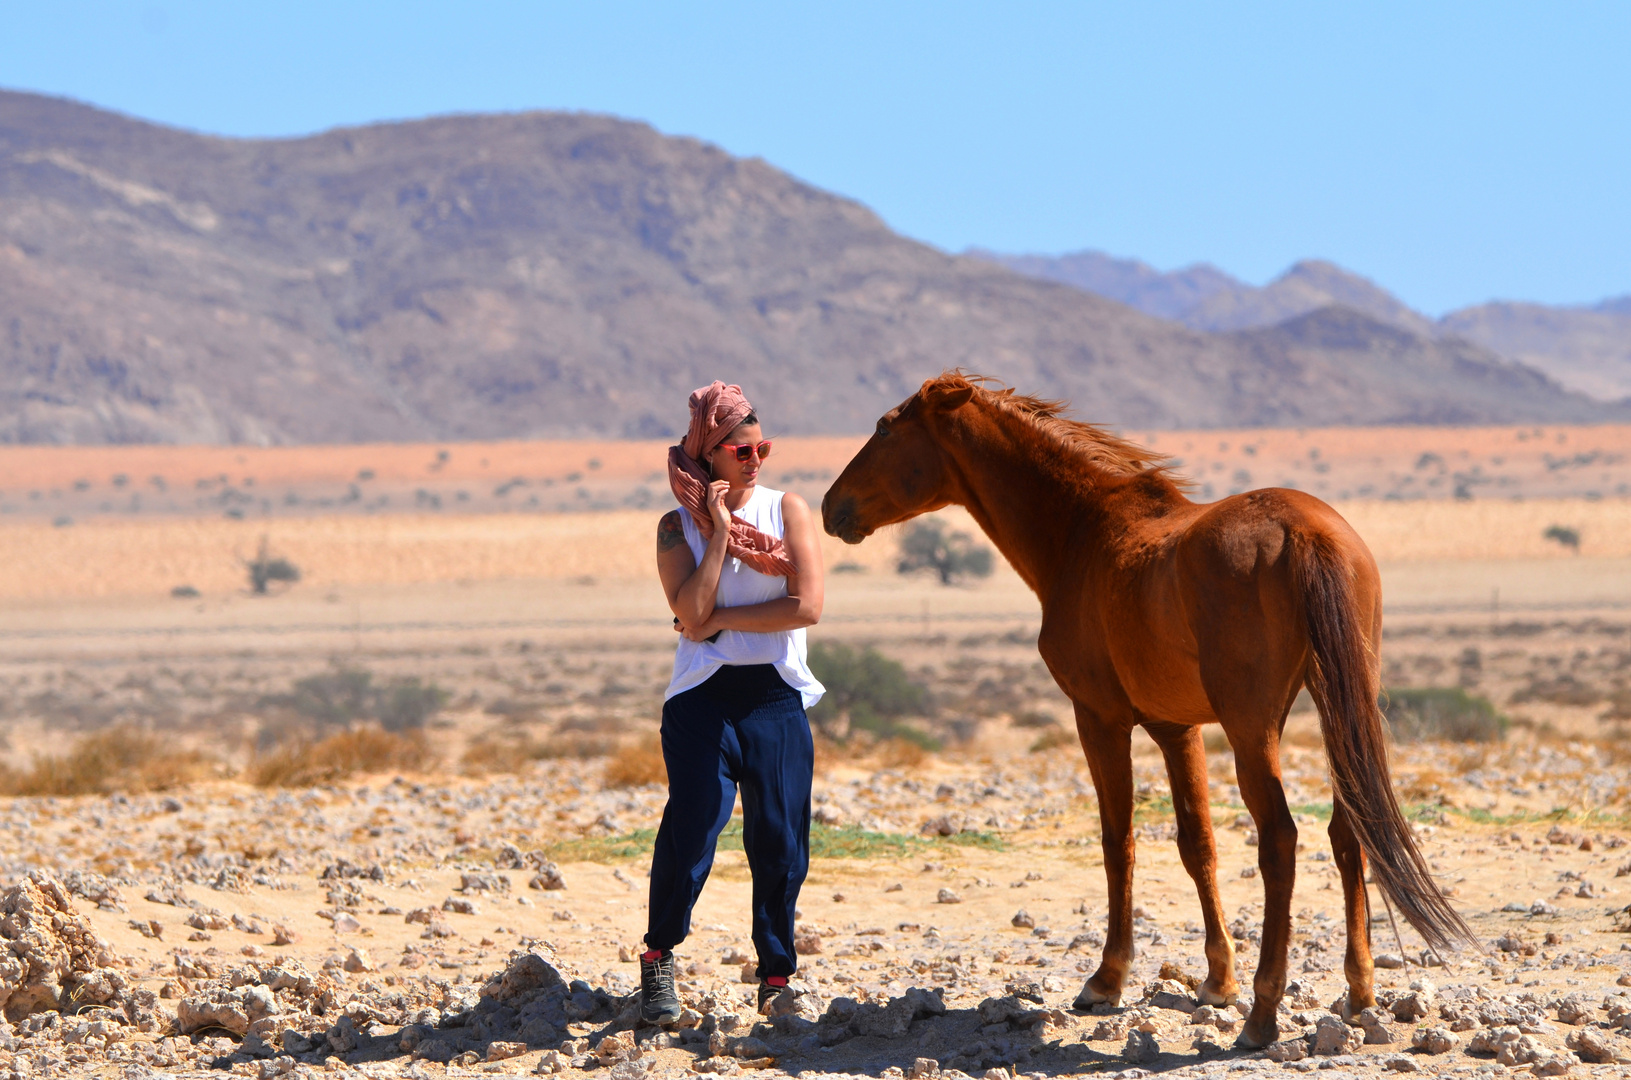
<point>652,954</point>
<point>775,980</point>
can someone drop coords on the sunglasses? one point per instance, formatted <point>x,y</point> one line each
<point>744,451</point>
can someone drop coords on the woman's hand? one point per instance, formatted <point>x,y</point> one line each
<point>697,633</point>
<point>717,509</point>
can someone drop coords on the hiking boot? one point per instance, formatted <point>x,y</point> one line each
<point>769,990</point>
<point>659,1004</point>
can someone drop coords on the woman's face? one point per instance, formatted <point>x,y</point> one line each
<point>741,474</point>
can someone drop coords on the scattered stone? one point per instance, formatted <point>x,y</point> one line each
<point>924,1069</point>
<point>1401,1063</point>
<point>547,878</point>
<point>946,896</point>
<point>1597,1047</point>
<point>1141,1047</point>
<point>1332,1035</point>
<point>493,883</point>
<point>1375,1022</point>
<point>51,959</point>
<point>806,942</point>
<point>1435,1040</point>
<point>1287,1050</point>
<point>1023,920</point>
<point>460,906</point>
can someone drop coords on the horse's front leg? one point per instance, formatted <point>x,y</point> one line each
<point>1110,759</point>
<point>1186,772</point>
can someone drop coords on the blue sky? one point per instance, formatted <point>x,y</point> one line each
<point>1455,153</point>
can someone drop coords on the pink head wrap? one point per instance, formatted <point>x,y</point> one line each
<point>716,411</point>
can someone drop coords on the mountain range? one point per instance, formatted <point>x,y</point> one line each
<point>1585,348</point>
<point>568,275</point>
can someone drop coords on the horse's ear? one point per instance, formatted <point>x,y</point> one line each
<point>944,398</point>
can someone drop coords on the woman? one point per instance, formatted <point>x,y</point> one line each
<point>742,569</point>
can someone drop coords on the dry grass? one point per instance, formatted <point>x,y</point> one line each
<point>302,763</point>
<point>120,759</point>
<point>102,558</point>
<point>637,764</point>
<point>900,753</point>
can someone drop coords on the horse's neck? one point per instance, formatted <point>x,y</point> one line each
<point>1034,511</point>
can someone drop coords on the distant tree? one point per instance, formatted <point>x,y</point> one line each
<point>266,568</point>
<point>1563,534</point>
<point>929,545</point>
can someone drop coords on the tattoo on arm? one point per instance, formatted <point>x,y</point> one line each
<point>670,533</point>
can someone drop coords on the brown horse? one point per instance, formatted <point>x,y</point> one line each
<point>1167,614</point>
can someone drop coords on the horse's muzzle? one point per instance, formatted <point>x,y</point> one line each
<point>838,518</point>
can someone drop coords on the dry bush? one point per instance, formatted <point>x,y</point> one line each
<point>1054,738</point>
<point>490,755</point>
<point>572,744</point>
<point>117,759</point>
<point>637,765</point>
<point>301,763</point>
<point>899,753</point>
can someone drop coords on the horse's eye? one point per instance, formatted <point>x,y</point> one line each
<point>882,429</point>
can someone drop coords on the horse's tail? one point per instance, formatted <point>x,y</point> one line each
<point>1342,678</point>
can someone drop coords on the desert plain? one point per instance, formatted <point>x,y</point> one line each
<point>394,818</point>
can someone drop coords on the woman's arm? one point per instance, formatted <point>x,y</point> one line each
<point>691,587</point>
<point>802,604</point>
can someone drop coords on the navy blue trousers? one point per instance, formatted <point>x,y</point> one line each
<point>744,728</point>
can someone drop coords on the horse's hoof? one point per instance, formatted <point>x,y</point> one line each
<point>1090,997</point>
<point>1255,1036</point>
<point>1210,995</point>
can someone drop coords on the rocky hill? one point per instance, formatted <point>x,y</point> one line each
<point>551,274</point>
<point>1587,349</point>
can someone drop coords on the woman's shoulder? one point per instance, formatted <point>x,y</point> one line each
<point>670,530</point>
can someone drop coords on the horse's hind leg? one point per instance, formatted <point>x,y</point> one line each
<point>1186,771</point>
<point>1350,860</point>
<point>1110,760</point>
<point>1257,767</point>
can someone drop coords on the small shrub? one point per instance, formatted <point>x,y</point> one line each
<point>345,695</point>
<point>117,759</point>
<point>929,545</point>
<point>1035,718</point>
<point>1442,714</point>
<point>332,697</point>
<point>1053,739</point>
<point>866,686</point>
<point>408,703</point>
<point>266,568</point>
<point>1565,535</point>
<point>302,763</point>
<point>185,592</point>
<point>637,765</point>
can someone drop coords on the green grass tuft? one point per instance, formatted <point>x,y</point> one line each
<point>826,842</point>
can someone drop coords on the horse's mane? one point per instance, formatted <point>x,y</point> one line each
<point>1090,443</point>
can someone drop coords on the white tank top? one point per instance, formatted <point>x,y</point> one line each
<point>696,661</point>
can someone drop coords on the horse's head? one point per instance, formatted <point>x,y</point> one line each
<point>902,470</point>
